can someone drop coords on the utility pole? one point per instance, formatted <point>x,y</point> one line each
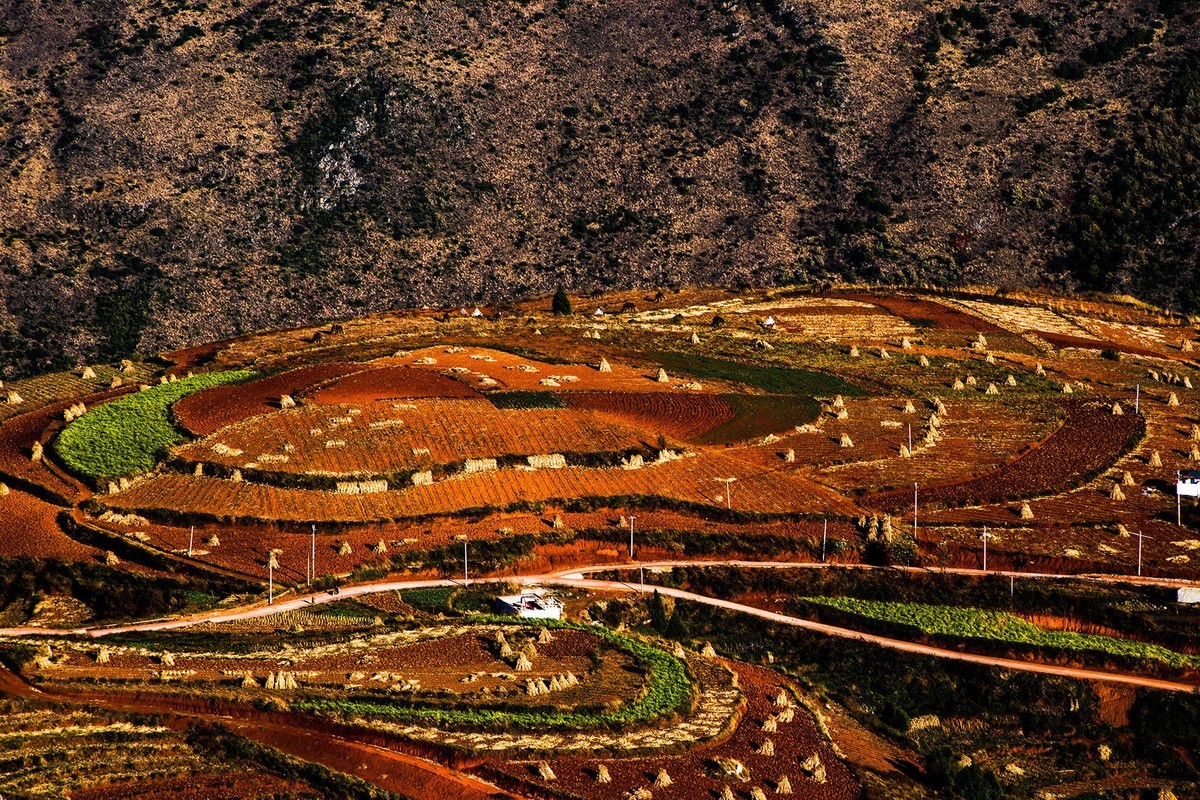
<point>312,557</point>
<point>914,510</point>
<point>985,538</point>
<point>728,482</point>
<point>1178,498</point>
<point>191,539</point>
<point>910,438</point>
<point>1137,400</point>
<point>270,579</point>
<point>1140,537</point>
<point>824,537</point>
<point>466,572</point>
<point>632,517</point>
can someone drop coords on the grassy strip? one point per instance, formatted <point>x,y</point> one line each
<point>668,692</point>
<point>973,623</point>
<point>776,380</point>
<point>757,415</point>
<point>126,436</point>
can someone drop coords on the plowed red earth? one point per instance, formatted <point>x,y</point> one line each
<point>680,416</point>
<point>17,436</point>
<point>390,383</point>
<point>217,786</point>
<point>692,773</point>
<point>1064,340</point>
<point>208,411</point>
<point>1090,439</point>
<point>912,310</point>
<point>29,527</point>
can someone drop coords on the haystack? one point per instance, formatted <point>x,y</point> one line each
<point>783,699</point>
<point>662,376</point>
<point>1127,479</point>
<point>236,476</point>
<point>273,558</point>
<point>15,399</point>
<point>678,651</point>
<point>248,682</point>
<point>783,785</point>
<point>853,351</point>
<point>939,406</point>
<point>905,452</point>
<point>1195,436</point>
<point>523,663</point>
<point>909,408</point>
<point>103,656</point>
<point>1066,389</point>
<point>1185,345</point>
<point>884,354</point>
<point>991,359</point>
<point>88,374</point>
<point>842,414</point>
<point>1117,410</point>
<point>727,793</point>
<point>287,401</point>
<point>790,455</point>
<point>981,342</point>
<point>757,794</point>
<point>604,365</point>
<point>1122,531</point>
<point>1155,459</point>
<point>602,775</point>
<point>344,549</point>
<point>770,724</point>
<point>707,651</point>
<point>544,771</point>
<point>905,344</point>
<point>380,547</point>
<point>545,636</point>
<point>35,452</point>
<point>166,659</point>
<point>695,338</point>
<point>786,715</point>
<point>110,558</point>
<point>1039,370</point>
<point>1026,511</point>
<point>930,437</point>
<point>199,470</point>
<point>1195,454</point>
<point>934,422</point>
<point>115,383</point>
<point>923,361</point>
<point>1115,493</point>
<point>557,523</point>
<point>846,441</point>
<point>839,402</point>
<point>213,541</point>
<point>1172,400</point>
<point>1011,380</point>
<point>958,385</point>
<point>1187,382</point>
<point>662,780</point>
<point>991,389</point>
<point>971,381</point>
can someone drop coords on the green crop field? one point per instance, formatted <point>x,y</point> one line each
<point>776,380</point>
<point>126,436</point>
<point>974,623</point>
<point>522,399</point>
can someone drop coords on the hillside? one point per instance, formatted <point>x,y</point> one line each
<point>174,173</point>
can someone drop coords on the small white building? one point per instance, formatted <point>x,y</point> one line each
<point>531,605</point>
<point>1188,595</point>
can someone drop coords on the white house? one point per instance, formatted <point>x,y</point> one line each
<point>531,605</point>
<point>1188,595</point>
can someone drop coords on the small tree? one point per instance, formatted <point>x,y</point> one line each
<point>561,304</point>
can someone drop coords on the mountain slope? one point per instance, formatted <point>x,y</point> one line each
<point>178,172</point>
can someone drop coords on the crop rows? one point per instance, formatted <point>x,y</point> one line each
<point>973,623</point>
<point>674,414</point>
<point>690,480</point>
<point>385,438</point>
<point>388,383</point>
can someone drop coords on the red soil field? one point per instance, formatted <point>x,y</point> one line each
<point>1065,340</point>
<point>215,786</point>
<point>208,411</point>
<point>1090,439</point>
<point>29,527</point>
<point>388,383</point>
<point>691,771</point>
<point>383,438</point>
<point>914,310</point>
<point>688,479</point>
<point>681,416</point>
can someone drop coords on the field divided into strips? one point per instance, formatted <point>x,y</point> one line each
<point>386,438</point>
<point>675,415</point>
<point>471,364</point>
<point>974,623</point>
<point>976,438</point>
<point>387,383</point>
<point>838,319</point>
<point>210,410</point>
<point>29,527</point>
<point>927,313</point>
<point>44,389</point>
<point>690,480</point>
<point>1021,318</point>
<point>1090,440</point>
<point>17,436</point>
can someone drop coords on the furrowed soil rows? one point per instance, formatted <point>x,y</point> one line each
<point>17,436</point>
<point>1090,439</point>
<point>682,416</point>
<point>689,479</point>
<point>29,527</point>
<point>1085,343</point>
<point>388,383</point>
<point>921,312</point>
<point>385,438</point>
<point>208,411</point>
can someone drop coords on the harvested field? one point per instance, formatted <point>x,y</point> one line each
<point>1085,343</point>
<point>1090,440</point>
<point>385,438</point>
<point>199,786</point>
<point>927,313</point>
<point>839,319</point>
<point>387,383</point>
<point>675,415</point>
<point>690,480</point>
<point>17,436</point>
<point>210,410</point>
<point>693,773</point>
<point>1020,318</point>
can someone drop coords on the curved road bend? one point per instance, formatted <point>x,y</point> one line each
<point>574,578</point>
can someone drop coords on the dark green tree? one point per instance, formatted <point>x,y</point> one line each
<point>561,304</point>
<point>658,613</point>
